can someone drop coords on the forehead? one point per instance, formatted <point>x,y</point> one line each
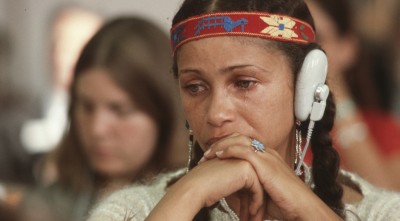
<point>97,83</point>
<point>229,49</point>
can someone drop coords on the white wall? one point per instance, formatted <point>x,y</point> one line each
<point>28,22</point>
<point>2,12</point>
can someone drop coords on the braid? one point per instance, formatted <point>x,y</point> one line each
<point>326,160</point>
<point>325,164</point>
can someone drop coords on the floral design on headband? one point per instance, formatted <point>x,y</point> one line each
<point>279,26</point>
<point>257,24</point>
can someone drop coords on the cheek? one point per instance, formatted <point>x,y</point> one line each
<point>272,115</point>
<point>192,110</point>
<point>82,126</point>
<point>137,137</point>
<point>275,112</point>
<point>195,114</point>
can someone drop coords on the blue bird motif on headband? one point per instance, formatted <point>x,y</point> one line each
<point>177,35</point>
<point>222,21</point>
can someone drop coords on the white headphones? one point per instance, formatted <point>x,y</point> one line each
<point>311,91</point>
<point>311,94</point>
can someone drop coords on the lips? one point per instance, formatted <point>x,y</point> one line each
<point>101,151</point>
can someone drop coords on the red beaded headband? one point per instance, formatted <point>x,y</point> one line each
<point>256,24</point>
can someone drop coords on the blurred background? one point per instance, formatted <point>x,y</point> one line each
<point>28,23</point>
<point>30,65</point>
<point>39,44</point>
<point>37,57</point>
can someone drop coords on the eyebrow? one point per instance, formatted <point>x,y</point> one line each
<point>189,70</point>
<point>241,66</point>
<point>223,70</point>
<point>82,97</point>
<point>113,102</point>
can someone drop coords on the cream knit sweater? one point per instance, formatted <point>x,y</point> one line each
<point>136,202</point>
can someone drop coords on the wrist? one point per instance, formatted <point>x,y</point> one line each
<point>182,201</point>
<point>189,193</point>
<point>316,210</point>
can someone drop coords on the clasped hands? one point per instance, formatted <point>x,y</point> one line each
<point>265,184</point>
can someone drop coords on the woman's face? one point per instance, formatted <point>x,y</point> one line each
<point>117,137</point>
<point>237,84</point>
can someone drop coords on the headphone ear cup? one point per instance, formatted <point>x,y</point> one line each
<point>312,74</point>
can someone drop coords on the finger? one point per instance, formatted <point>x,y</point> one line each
<point>275,176</point>
<point>269,166</point>
<point>248,153</point>
<point>273,211</point>
<point>255,191</point>
<point>263,163</point>
<point>244,206</point>
<point>257,198</point>
<point>259,216</point>
<point>235,139</point>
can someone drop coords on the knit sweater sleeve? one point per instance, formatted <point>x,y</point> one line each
<point>380,205</point>
<point>133,203</point>
<point>377,204</point>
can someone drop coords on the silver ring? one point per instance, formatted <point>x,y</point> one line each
<point>257,146</point>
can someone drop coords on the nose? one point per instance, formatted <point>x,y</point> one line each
<point>220,109</point>
<point>100,124</point>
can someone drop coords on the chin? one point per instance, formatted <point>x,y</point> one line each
<point>107,170</point>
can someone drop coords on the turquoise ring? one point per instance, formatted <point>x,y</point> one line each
<point>257,145</point>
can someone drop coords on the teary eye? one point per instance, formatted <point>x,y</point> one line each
<point>195,88</point>
<point>244,84</point>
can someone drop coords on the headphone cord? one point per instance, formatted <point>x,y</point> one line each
<point>303,154</point>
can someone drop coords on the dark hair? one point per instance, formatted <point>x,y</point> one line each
<point>371,79</point>
<point>340,12</point>
<point>136,55</point>
<point>326,160</point>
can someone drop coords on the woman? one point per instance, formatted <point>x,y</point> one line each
<point>240,69</point>
<point>366,134</point>
<point>122,119</point>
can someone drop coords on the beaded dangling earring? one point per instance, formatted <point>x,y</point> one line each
<point>299,148</point>
<point>190,146</point>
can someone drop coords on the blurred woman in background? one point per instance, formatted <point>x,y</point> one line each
<point>121,120</point>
